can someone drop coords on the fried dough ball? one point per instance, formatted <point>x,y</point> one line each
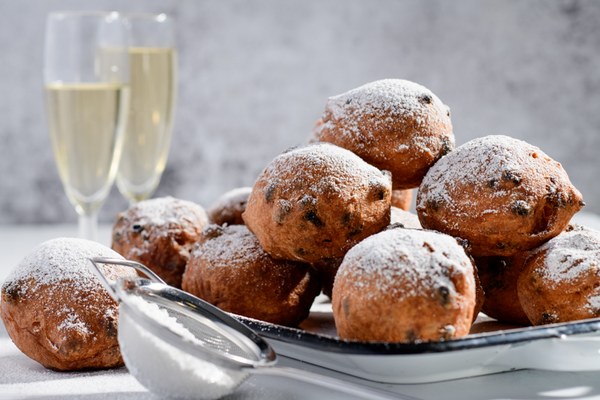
<point>328,268</point>
<point>404,218</point>
<point>404,285</point>
<point>230,270</point>
<point>402,199</point>
<point>57,312</point>
<point>228,208</point>
<point>314,203</point>
<point>393,124</point>
<point>499,277</point>
<point>504,196</point>
<point>160,233</point>
<point>561,279</point>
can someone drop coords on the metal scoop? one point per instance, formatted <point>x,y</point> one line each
<point>202,352</point>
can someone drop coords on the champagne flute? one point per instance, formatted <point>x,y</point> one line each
<point>153,63</point>
<point>86,74</point>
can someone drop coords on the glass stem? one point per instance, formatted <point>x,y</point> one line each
<point>88,226</point>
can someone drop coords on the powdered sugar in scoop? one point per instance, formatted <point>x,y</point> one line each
<point>167,370</point>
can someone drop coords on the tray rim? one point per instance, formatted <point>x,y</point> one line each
<point>334,344</point>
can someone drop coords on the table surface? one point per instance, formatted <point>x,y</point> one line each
<point>22,378</point>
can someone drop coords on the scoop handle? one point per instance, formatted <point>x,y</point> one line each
<point>328,382</point>
<point>108,285</point>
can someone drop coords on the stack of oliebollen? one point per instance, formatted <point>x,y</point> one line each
<point>491,233</point>
<point>332,216</point>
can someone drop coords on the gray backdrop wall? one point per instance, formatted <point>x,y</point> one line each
<point>254,76</point>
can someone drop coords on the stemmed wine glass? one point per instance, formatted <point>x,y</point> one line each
<point>153,63</point>
<point>86,76</point>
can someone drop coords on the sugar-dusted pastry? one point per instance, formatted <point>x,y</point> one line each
<point>230,270</point>
<point>314,203</point>
<point>57,312</point>
<point>561,279</point>
<point>228,208</point>
<point>404,285</point>
<point>503,195</point>
<point>404,218</point>
<point>393,124</point>
<point>160,233</point>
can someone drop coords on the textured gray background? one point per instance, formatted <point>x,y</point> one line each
<point>254,76</point>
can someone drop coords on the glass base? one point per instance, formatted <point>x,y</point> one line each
<point>88,227</point>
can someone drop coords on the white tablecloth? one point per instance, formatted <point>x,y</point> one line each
<point>22,378</point>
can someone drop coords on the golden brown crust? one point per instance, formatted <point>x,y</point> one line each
<point>561,280</point>
<point>499,277</point>
<point>38,333</point>
<point>228,208</point>
<point>395,125</point>
<point>421,281</point>
<point>230,270</point>
<point>57,313</point>
<point>316,202</point>
<point>402,199</point>
<point>160,233</point>
<point>502,195</point>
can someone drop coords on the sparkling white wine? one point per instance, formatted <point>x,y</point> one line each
<point>149,125</point>
<point>86,128</point>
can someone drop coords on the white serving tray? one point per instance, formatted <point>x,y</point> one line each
<point>573,346</point>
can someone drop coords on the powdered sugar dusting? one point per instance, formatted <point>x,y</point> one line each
<point>572,255</point>
<point>321,168</point>
<point>236,250</point>
<point>56,279</point>
<point>405,218</point>
<point>382,103</point>
<point>59,260</point>
<point>395,96</point>
<point>593,303</point>
<point>234,244</point>
<point>479,164</point>
<point>168,210</point>
<point>72,321</point>
<point>405,262</point>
